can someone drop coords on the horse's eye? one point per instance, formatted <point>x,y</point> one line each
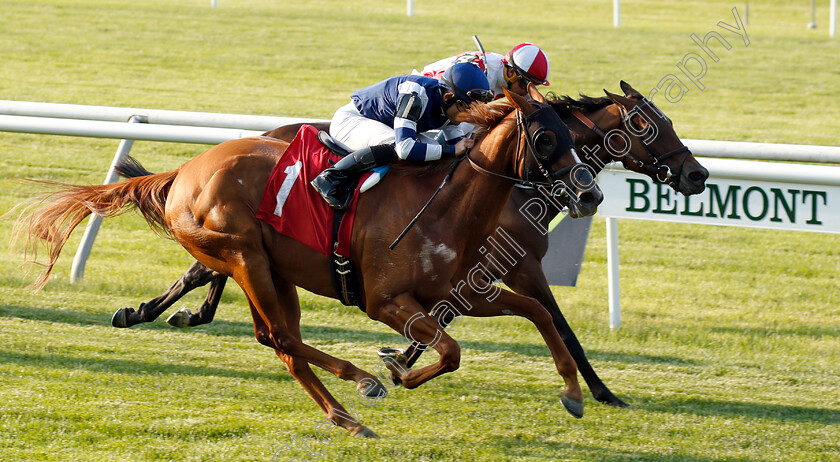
<point>639,123</point>
<point>546,143</point>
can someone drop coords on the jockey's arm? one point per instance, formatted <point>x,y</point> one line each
<point>412,102</point>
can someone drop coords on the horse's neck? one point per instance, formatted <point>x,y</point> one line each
<point>522,196</point>
<point>476,198</point>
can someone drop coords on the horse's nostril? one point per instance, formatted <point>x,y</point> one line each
<point>587,198</point>
<point>698,176</point>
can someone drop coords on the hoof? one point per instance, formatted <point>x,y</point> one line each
<point>394,379</point>
<point>395,353</point>
<point>371,388</point>
<point>120,317</point>
<point>180,318</point>
<point>365,433</point>
<point>574,406</point>
<point>612,400</point>
<point>602,394</point>
<point>396,362</point>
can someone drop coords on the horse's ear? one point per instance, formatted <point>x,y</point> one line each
<point>620,100</point>
<point>519,102</point>
<point>628,90</point>
<point>535,94</point>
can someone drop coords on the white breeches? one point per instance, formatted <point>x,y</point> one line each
<point>357,131</point>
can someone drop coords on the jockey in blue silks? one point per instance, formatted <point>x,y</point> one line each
<point>382,123</point>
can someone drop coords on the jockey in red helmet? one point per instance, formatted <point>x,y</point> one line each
<point>524,63</point>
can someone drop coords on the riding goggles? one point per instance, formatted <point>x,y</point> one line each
<point>485,96</point>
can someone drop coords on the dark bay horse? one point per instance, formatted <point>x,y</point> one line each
<point>654,150</point>
<point>209,206</point>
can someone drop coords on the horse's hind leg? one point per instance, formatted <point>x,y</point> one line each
<point>205,313</point>
<point>276,313</point>
<point>196,276</point>
<point>300,370</point>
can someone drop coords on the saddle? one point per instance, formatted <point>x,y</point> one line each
<point>293,208</point>
<point>336,147</point>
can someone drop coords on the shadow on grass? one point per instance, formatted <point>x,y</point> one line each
<point>567,451</point>
<point>80,318</point>
<point>816,332</point>
<point>640,358</point>
<point>320,334</point>
<point>129,366</point>
<point>704,407</point>
<point>52,315</point>
<point>540,350</point>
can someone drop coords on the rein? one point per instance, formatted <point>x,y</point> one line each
<point>522,130</point>
<point>417,217</point>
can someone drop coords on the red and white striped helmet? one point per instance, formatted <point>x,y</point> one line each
<point>530,61</point>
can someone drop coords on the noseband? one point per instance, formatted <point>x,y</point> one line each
<point>522,122</point>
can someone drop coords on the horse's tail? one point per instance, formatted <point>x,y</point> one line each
<point>130,168</point>
<point>51,217</point>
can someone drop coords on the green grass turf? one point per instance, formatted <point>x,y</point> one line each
<point>729,347</point>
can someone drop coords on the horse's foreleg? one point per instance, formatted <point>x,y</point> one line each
<point>196,276</point>
<point>405,315</point>
<point>508,303</point>
<point>530,281</point>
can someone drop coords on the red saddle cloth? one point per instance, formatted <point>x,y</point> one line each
<point>293,207</point>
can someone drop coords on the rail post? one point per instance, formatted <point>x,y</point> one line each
<point>77,271</point>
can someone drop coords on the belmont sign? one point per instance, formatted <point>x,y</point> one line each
<point>725,201</point>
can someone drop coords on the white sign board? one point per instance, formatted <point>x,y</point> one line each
<point>780,196</point>
<point>725,201</point>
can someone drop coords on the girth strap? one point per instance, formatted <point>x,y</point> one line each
<point>342,273</point>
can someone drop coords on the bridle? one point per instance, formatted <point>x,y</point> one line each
<point>522,122</point>
<point>655,164</point>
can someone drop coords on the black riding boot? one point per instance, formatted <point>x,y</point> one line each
<point>332,184</point>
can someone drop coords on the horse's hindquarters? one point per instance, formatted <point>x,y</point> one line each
<point>212,204</point>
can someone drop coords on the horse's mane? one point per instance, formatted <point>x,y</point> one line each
<point>565,105</point>
<point>483,116</point>
<point>487,116</point>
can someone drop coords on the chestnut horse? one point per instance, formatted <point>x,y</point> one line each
<point>209,206</point>
<point>660,155</point>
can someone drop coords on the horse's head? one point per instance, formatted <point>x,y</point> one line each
<point>655,149</point>
<point>547,155</point>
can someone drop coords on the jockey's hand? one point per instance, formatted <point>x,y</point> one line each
<point>462,146</point>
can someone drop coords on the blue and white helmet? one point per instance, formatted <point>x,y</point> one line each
<point>468,82</point>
